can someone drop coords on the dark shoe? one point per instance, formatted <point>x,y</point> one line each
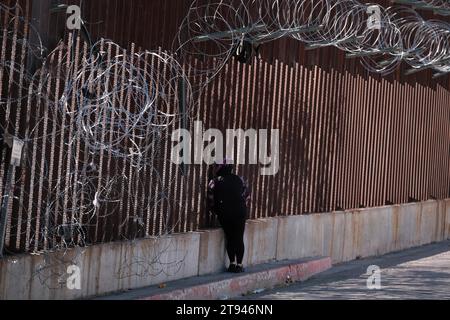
<point>232,268</point>
<point>239,269</point>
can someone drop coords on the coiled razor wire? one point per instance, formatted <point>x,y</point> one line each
<point>382,37</point>
<point>30,44</point>
<point>439,7</point>
<point>101,117</point>
<point>135,113</point>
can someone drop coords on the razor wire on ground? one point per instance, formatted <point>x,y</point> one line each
<point>94,121</point>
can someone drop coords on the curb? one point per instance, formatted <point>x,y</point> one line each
<point>248,283</point>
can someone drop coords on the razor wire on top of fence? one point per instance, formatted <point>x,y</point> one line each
<point>381,37</point>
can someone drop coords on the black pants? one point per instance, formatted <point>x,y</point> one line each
<point>234,229</point>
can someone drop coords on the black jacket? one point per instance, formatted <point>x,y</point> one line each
<point>228,196</point>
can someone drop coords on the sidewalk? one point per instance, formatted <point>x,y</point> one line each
<point>228,286</point>
<point>418,274</point>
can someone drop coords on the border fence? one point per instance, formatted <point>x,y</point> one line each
<point>348,139</point>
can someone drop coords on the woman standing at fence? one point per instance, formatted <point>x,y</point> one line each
<point>228,197</point>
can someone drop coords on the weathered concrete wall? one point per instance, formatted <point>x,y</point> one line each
<point>343,236</point>
<point>104,268</point>
<point>446,208</point>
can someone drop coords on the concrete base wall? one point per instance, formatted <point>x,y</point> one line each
<point>346,236</point>
<point>103,268</point>
<point>108,268</point>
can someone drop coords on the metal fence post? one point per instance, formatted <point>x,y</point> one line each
<point>16,146</point>
<point>182,106</point>
<point>4,211</point>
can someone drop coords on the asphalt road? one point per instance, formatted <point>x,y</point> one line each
<point>421,273</point>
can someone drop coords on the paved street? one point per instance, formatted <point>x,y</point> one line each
<point>422,273</point>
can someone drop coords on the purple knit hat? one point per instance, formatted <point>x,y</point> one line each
<point>225,163</point>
